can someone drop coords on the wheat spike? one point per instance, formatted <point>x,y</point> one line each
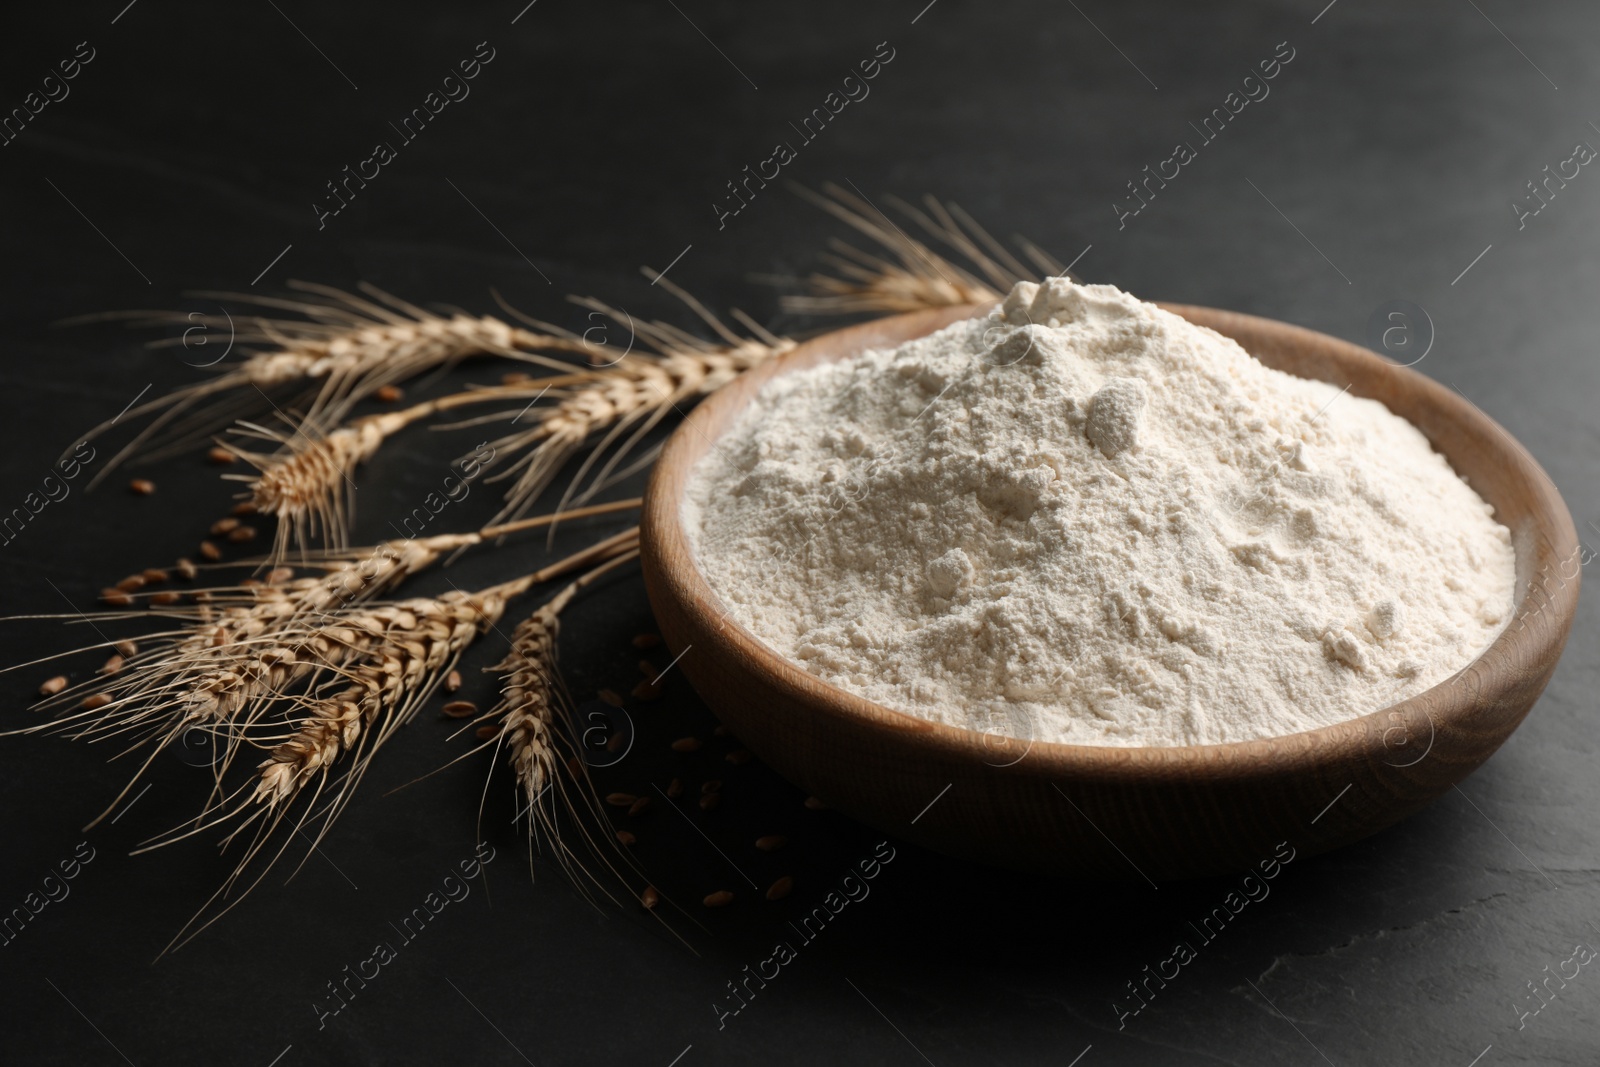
<point>236,653</point>
<point>305,484</point>
<point>399,654</point>
<point>528,699</point>
<point>342,347</point>
<point>916,277</point>
<point>403,655</point>
<point>624,402</point>
<point>533,702</point>
<point>407,648</point>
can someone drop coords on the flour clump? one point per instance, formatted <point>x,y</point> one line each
<point>1081,518</point>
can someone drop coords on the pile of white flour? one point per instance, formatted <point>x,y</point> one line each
<point>1084,519</point>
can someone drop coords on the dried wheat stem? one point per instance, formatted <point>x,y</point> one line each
<point>500,530</point>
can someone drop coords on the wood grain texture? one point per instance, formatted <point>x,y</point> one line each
<point>1131,813</point>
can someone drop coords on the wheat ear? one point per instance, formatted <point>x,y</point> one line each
<point>340,349</point>
<point>234,654</point>
<point>306,482</point>
<point>625,401</point>
<point>914,277</point>
<point>402,654</point>
<point>534,702</point>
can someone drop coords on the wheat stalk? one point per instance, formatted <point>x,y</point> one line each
<point>529,697</point>
<point>405,649</point>
<point>305,482</point>
<point>317,673</point>
<point>402,654</point>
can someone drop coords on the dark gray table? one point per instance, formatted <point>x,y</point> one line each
<point>1384,163</point>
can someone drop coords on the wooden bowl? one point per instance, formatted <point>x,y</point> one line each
<point>1130,813</point>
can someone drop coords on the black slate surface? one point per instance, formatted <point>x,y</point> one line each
<point>188,154</point>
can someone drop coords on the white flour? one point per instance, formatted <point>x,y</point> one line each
<point>1084,519</point>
